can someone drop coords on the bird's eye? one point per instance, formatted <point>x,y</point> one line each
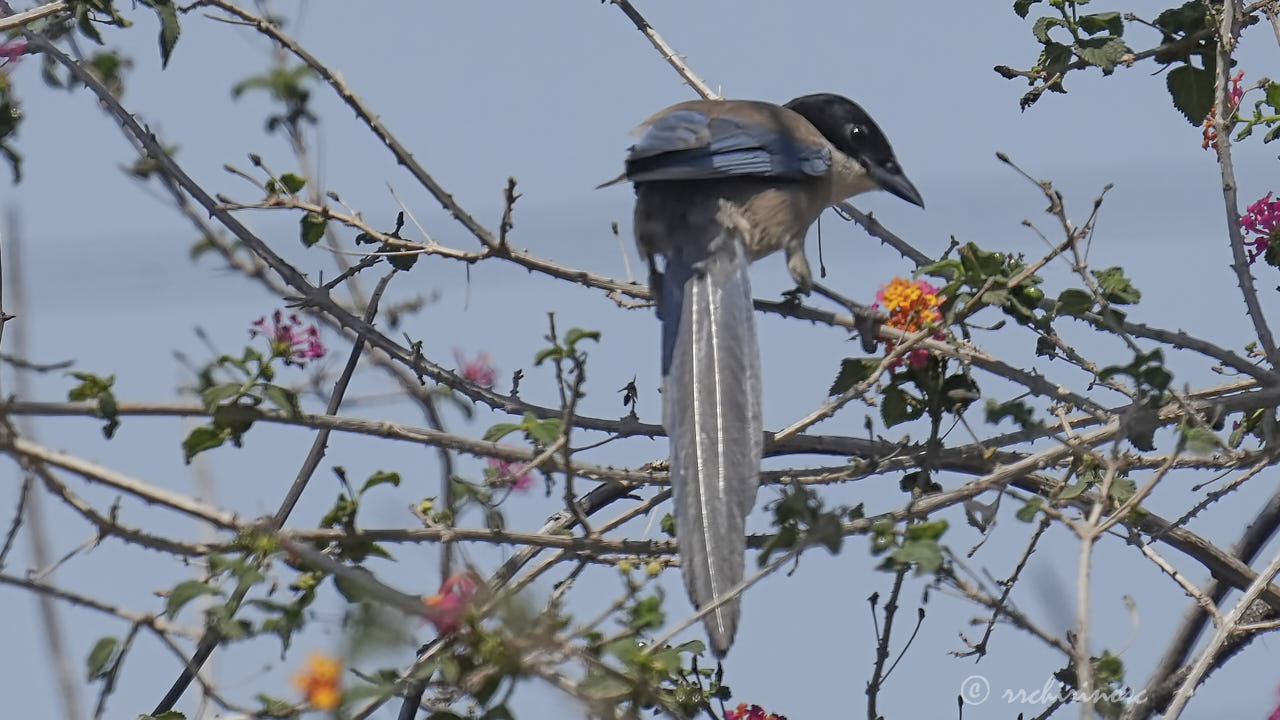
<point>856,130</point>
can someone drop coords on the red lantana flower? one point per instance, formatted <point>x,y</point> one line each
<point>752,712</point>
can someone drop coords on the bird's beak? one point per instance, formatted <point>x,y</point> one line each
<point>898,184</point>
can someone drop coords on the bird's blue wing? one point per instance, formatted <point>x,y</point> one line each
<point>704,143</point>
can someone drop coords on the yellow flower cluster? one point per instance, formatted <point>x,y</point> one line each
<point>319,681</point>
<point>911,305</point>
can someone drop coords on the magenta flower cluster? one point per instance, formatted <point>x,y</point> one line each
<point>1262,220</point>
<point>504,473</point>
<point>480,371</point>
<point>290,339</point>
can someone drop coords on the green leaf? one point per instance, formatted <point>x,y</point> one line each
<point>554,351</point>
<point>1198,439</point>
<point>1017,410</point>
<point>603,686</point>
<point>960,390</point>
<point>184,592</point>
<point>202,438</point>
<point>1027,512</point>
<point>1108,22</point>
<point>213,396</point>
<point>543,432</point>
<point>1122,488</point>
<point>285,399</point>
<point>852,372</point>
<point>1022,7</point>
<point>293,183</point>
<point>499,431</point>
<point>1117,288</point>
<point>924,555</point>
<point>697,647</point>
<point>1273,95</point>
<point>898,407</point>
<point>572,337</point>
<point>1102,52</point>
<point>1075,489</point>
<point>947,269</point>
<point>1042,26</point>
<point>1074,302</point>
<point>91,386</point>
<point>313,225</point>
<point>100,656</point>
<point>381,478</point>
<point>1192,91</point>
<point>169,28</point>
<point>926,530</point>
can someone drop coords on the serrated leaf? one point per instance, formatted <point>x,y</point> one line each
<point>184,592</point>
<point>1022,7</point>
<point>293,183</point>
<point>852,372</point>
<point>381,478</point>
<point>1117,288</point>
<point>1102,52</point>
<point>100,656</point>
<point>1192,91</point>
<point>1042,26</point>
<point>897,407</point>
<point>313,225</point>
<point>1122,488</point>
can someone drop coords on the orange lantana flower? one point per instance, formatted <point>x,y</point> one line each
<point>911,304</point>
<point>319,681</point>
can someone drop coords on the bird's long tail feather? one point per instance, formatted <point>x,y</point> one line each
<point>711,410</point>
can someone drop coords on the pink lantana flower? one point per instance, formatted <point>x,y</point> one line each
<point>501,472</point>
<point>479,371</point>
<point>1262,220</point>
<point>290,339</point>
<point>447,608</point>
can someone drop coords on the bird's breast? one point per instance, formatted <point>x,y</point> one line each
<point>770,215</point>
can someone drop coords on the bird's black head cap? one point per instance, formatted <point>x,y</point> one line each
<point>851,130</point>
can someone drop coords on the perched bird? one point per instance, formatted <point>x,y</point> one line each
<point>720,183</point>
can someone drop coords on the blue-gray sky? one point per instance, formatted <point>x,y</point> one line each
<point>547,92</point>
